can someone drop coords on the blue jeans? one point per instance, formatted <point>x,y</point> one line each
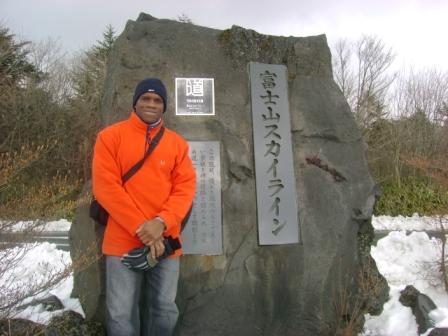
<point>141,303</point>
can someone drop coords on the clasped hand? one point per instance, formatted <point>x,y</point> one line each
<point>150,233</point>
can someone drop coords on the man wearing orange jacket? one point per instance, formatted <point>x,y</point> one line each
<point>142,212</point>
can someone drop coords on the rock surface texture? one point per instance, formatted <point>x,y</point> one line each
<point>316,287</point>
<point>421,306</point>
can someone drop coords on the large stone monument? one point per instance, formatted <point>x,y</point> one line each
<point>318,286</point>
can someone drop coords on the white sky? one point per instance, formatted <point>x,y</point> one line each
<point>415,29</point>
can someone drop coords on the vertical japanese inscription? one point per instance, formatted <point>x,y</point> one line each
<point>274,168</point>
<point>203,232</point>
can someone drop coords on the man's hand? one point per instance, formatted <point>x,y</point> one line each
<point>157,249</point>
<point>151,231</point>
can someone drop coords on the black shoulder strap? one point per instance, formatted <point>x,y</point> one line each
<point>186,218</point>
<point>139,164</point>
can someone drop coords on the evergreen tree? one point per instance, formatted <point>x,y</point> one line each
<point>88,79</point>
<point>14,65</point>
<point>90,73</point>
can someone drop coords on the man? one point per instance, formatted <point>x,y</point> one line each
<point>142,211</point>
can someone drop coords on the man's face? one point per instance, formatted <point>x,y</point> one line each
<point>149,107</point>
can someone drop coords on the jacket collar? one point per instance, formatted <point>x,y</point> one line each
<point>135,120</point>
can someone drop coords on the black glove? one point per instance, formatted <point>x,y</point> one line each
<point>141,260</point>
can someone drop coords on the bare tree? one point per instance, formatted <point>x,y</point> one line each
<point>424,91</point>
<point>361,69</point>
<point>420,103</point>
<point>437,171</point>
<point>343,69</point>
<point>184,18</point>
<point>50,59</point>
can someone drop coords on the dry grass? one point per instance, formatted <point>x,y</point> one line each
<point>51,199</point>
<point>351,307</point>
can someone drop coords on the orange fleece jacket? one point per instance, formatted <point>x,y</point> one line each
<point>164,186</point>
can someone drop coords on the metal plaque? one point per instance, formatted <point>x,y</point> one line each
<point>274,169</point>
<point>203,231</point>
<point>195,96</point>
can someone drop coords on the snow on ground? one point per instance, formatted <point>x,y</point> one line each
<point>415,222</point>
<point>402,259</point>
<point>34,267</point>
<point>59,225</point>
<point>407,260</point>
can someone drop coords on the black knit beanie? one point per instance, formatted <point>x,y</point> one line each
<point>150,85</point>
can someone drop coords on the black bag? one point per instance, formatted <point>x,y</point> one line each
<point>96,211</point>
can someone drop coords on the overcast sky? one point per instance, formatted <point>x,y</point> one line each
<point>415,29</point>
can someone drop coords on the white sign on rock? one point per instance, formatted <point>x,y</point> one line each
<point>203,231</point>
<point>195,96</point>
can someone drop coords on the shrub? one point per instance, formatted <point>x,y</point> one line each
<point>411,195</point>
